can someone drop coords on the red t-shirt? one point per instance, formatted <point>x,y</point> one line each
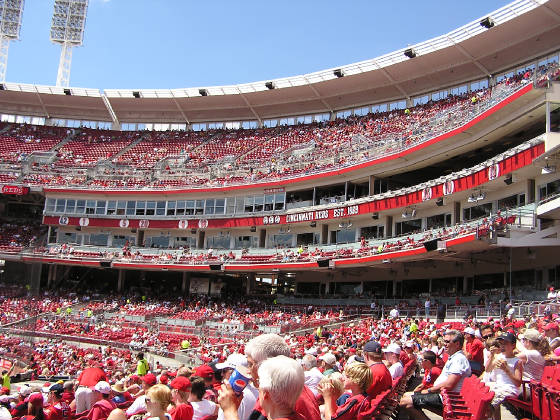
<point>382,380</point>
<point>90,376</point>
<point>352,407</point>
<point>430,376</point>
<point>476,349</point>
<point>59,411</point>
<point>182,412</point>
<point>306,406</point>
<point>101,410</point>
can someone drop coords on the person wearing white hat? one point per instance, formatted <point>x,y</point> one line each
<point>103,404</point>
<point>250,393</point>
<point>392,353</point>
<point>328,363</point>
<point>474,350</point>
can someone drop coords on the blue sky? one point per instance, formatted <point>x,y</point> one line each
<point>143,44</point>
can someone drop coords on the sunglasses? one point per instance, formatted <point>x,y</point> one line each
<point>486,337</point>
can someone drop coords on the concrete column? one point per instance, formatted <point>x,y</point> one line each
<point>186,282</point>
<point>388,226</point>
<point>121,279</point>
<point>251,279</point>
<point>530,191</point>
<point>371,185</point>
<point>327,287</point>
<point>430,286</point>
<point>456,212</point>
<point>506,278</point>
<point>465,285</point>
<point>394,288</point>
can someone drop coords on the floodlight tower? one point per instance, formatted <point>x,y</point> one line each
<point>10,25</point>
<point>67,29</point>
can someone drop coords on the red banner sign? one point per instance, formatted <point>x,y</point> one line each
<point>15,190</point>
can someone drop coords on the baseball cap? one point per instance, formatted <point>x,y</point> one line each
<point>233,361</point>
<point>328,358</point>
<point>58,388</point>
<point>36,399</point>
<point>393,348</point>
<point>103,387</point>
<point>551,326</point>
<point>163,379</point>
<point>531,335</point>
<point>372,347</point>
<point>507,336</point>
<point>25,390</point>
<point>204,371</point>
<point>469,331</point>
<point>149,379</point>
<point>181,383</point>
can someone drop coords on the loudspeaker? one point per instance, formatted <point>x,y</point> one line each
<point>203,92</point>
<point>106,264</point>
<point>431,245</point>
<point>323,263</point>
<point>216,267</point>
<point>136,94</point>
<point>67,92</point>
<point>338,73</point>
<point>253,229</point>
<point>270,85</point>
<point>508,180</point>
<point>375,216</point>
<point>439,202</point>
<point>313,224</point>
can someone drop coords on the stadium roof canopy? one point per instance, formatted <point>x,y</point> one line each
<point>523,31</point>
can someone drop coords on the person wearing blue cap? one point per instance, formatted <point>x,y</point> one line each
<point>381,377</point>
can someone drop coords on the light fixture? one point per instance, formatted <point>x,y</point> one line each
<point>270,85</point>
<point>136,94</point>
<point>487,22</point>
<point>203,92</point>
<point>339,73</point>
<point>548,169</point>
<point>410,52</point>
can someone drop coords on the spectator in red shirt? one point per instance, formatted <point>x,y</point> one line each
<point>84,395</point>
<point>357,379</point>
<point>381,377</point>
<point>474,350</point>
<point>68,392</point>
<point>34,407</point>
<point>58,408</point>
<point>180,390</point>
<point>103,404</point>
<point>431,371</point>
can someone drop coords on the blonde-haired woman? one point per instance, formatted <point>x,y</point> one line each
<point>158,398</point>
<point>357,379</point>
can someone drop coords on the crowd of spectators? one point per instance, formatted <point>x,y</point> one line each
<point>330,373</point>
<point>224,157</point>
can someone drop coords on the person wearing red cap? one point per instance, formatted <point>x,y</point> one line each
<point>180,392</point>
<point>552,335</point>
<point>34,407</point>
<point>139,405</point>
<point>209,375</point>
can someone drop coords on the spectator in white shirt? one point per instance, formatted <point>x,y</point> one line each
<point>392,353</point>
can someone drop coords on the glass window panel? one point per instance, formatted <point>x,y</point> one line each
<point>249,204</point>
<point>100,207</point>
<point>50,204</point>
<point>80,206</point>
<point>199,210</point>
<point>60,205</point>
<point>259,201</point>
<point>130,208</point>
<point>220,206</point>
<point>171,208</point>
<point>209,207</point>
<point>160,208</point>
<point>90,206</point>
<point>70,206</point>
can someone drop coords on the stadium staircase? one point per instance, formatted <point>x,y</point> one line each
<point>127,148</point>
